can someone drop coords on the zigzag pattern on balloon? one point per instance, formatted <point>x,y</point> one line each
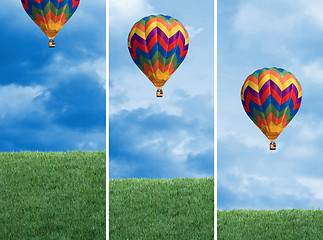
<point>271,97</point>
<point>158,45</point>
<point>158,66</point>
<point>157,51</point>
<point>50,15</point>
<point>32,5</point>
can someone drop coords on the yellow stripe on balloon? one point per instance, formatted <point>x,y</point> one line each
<point>159,25</point>
<point>290,81</point>
<point>245,85</point>
<point>176,29</point>
<point>282,86</point>
<point>162,27</point>
<point>140,33</point>
<point>159,75</point>
<point>252,85</point>
<point>269,77</point>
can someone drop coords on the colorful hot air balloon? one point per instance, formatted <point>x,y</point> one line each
<point>50,15</point>
<point>158,45</point>
<point>271,97</point>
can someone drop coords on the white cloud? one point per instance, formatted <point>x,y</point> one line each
<point>308,129</point>
<point>266,25</point>
<point>19,101</point>
<point>120,170</point>
<point>313,9</point>
<point>89,146</point>
<point>66,138</point>
<point>89,14</point>
<point>192,32</point>
<point>187,143</point>
<point>131,89</point>
<point>67,67</point>
<point>265,17</point>
<point>245,182</point>
<point>181,149</point>
<point>97,66</point>
<point>243,132</point>
<point>313,72</point>
<point>315,185</point>
<point>270,183</point>
<point>126,12</point>
<point>93,140</point>
<point>180,146</point>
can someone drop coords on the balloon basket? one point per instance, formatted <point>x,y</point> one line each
<point>272,146</point>
<point>159,93</point>
<point>51,43</point>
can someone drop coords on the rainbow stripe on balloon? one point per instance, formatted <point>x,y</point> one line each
<point>271,97</point>
<point>50,15</point>
<point>158,45</point>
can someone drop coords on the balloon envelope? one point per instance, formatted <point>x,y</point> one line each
<point>271,97</point>
<point>158,44</point>
<point>50,15</point>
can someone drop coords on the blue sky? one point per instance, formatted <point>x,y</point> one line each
<point>254,34</point>
<point>53,99</point>
<point>165,137</point>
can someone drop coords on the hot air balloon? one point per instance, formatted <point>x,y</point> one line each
<point>158,44</point>
<point>271,97</point>
<point>50,15</point>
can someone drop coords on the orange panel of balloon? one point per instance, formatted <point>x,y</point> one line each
<point>50,15</point>
<point>158,44</point>
<point>271,98</point>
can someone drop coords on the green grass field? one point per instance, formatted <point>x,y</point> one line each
<point>161,209</point>
<point>52,195</point>
<point>269,224</point>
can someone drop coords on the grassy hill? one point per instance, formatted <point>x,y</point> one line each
<point>52,195</point>
<point>270,224</point>
<point>161,208</point>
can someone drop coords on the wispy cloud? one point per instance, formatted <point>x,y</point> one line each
<point>314,185</point>
<point>265,26</point>
<point>92,67</point>
<point>313,72</point>
<point>313,10</point>
<point>192,32</point>
<point>252,19</point>
<point>18,101</point>
<point>171,145</point>
<point>123,12</point>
